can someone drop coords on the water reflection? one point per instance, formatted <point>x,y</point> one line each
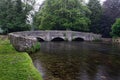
<point>78,61</point>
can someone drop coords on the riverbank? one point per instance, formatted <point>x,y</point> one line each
<point>15,65</point>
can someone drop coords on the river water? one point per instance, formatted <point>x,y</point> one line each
<point>78,61</point>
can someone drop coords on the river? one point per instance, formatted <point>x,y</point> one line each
<point>78,61</point>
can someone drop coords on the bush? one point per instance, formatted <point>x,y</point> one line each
<point>34,48</point>
<point>116,28</point>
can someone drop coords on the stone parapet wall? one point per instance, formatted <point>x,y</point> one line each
<point>21,43</point>
<point>107,39</point>
<point>26,39</point>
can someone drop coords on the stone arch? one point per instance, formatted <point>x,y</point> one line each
<point>78,39</point>
<point>40,39</point>
<point>57,39</point>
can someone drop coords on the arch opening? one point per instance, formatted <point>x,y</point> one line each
<point>40,39</point>
<point>57,39</point>
<point>78,39</point>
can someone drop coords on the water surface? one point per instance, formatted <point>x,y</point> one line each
<point>78,61</point>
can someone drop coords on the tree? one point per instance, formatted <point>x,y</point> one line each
<point>111,11</point>
<point>96,9</point>
<point>14,14</point>
<point>116,28</point>
<point>62,15</point>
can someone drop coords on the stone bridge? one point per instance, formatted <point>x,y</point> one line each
<point>26,39</point>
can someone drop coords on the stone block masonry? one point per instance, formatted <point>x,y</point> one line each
<point>26,39</point>
<point>21,43</point>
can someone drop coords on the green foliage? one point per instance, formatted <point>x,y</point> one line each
<point>97,40</point>
<point>15,65</point>
<point>111,11</point>
<point>116,28</point>
<point>13,15</point>
<point>96,9</point>
<point>62,15</point>
<point>34,48</point>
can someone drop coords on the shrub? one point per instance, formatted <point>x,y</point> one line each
<point>116,28</point>
<point>34,48</point>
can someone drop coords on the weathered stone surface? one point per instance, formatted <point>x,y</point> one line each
<point>21,43</point>
<point>116,40</point>
<point>107,40</point>
<point>24,40</point>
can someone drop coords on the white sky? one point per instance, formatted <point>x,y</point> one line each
<point>39,2</point>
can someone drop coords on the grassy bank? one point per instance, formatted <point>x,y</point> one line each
<point>15,65</point>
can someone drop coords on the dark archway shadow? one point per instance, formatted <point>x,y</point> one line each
<point>40,39</point>
<point>57,39</point>
<point>78,39</point>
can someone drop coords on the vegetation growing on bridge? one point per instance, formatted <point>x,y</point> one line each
<point>15,65</point>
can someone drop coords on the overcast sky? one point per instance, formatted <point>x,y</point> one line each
<point>40,2</point>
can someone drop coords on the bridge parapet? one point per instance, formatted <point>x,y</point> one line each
<point>26,39</point>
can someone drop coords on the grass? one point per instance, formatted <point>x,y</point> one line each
<point>15,65</point>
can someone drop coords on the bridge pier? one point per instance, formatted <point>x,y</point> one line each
<point>69,36</point>
<point>48,37</point>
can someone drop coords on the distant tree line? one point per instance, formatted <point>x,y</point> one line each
<point>14,14</point>
<point>111,12</point>
<point>62,15</point>
<point>79,16</point>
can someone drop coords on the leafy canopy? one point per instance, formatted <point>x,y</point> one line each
<point>14,14</point>
<point>116,28</point>
<point>96,9</point>
<point>62,15</point>
<point>111,11</point>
